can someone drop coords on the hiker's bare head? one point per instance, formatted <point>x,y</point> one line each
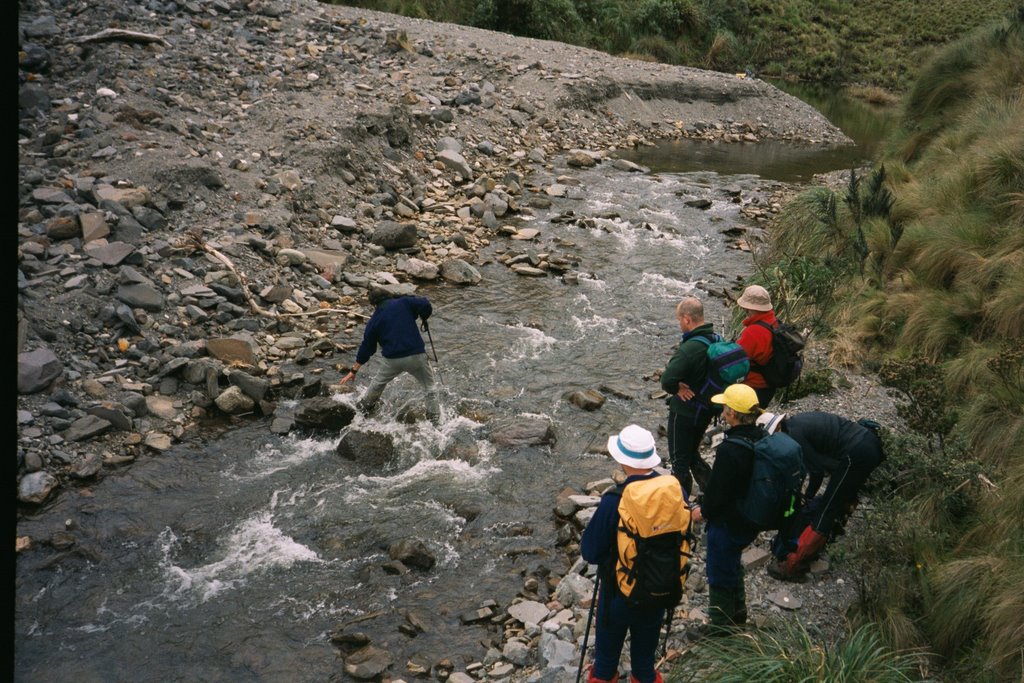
<point>690,313</point>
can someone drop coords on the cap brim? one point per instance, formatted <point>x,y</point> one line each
<point>718,398</point>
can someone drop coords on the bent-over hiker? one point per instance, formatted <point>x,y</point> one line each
<point>633,448</point>
<point>688,418</point>
<point>847,452</point>
<point>393,327</point>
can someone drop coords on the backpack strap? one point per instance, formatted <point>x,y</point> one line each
<point>707,340</point>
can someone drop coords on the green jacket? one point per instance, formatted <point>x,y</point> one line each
<point>689,364</point>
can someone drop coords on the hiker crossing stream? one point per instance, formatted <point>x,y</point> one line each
<point>234,558</point>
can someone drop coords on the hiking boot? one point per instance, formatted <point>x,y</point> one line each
<point>777,570</point>
<point>593,679</point>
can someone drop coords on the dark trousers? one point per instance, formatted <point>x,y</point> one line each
<point>845,482</point>
<point>615,617</point>
<point>764,396</point>
<point>684,436</point>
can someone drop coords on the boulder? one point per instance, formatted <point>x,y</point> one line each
<point>86,427</point>
<point>231,349</point>
<point>459,272</point>
<point>412,553</point>
<point>372,450</point>
<point>37,370</point>
<point>323,412</point>
<point>368,663</point>
<point>523,431</point>
<point>36,487</point>
<point>234,402</point>
<point>392,235</point>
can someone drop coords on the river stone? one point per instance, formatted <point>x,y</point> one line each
<point>37,370</point>
<point>629,166</point>
<point>528,271</point>
<point>158,441</point>
<point>526,234</point>
<point>113,413</point>
<point>36,487</point>
<point>754,558</point>
<point>459,272</point>
<point>529,612</point>
<point>523,431</point>
<point>141,295</point>
<point>786,600</point>
<point>373,450</point>
<point>109,253</point>
<point>254,387</point>
<point>392,235</point>
<point>231,349</point>
<point>127,197</point>
<point>88,466</point>
<point>574,589</point>
<point>455,162</point>
<point>412,553</point>
<point>587,399</point>
<point>556,653</point>
<point>323,412</point>
<point>63,228</point>
<point>419,269</point>
<point>290,257</point>
<point>162,407</point>
<point>368,663</point>
<point>94,226</point>
<point>234,402</point>
<point>698,203</point>
<point>516,652</point>
<point>85,428</point>
<point>581,159</point>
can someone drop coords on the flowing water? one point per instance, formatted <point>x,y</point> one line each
<point>233,558</point>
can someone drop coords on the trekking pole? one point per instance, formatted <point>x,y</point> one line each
<point>586,634</point>
<point>426,328</point>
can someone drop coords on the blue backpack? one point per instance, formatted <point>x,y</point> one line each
<point>773,494</point>
<point>727,364</point>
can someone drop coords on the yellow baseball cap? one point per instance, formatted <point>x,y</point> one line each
<point>739,397</point>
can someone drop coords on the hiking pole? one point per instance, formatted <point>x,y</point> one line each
<point>426,328</point>
<point>586,634</point>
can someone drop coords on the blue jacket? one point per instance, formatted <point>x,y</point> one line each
<point>393,327</point>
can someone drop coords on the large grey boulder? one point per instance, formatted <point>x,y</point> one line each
<point>37,370</point>
<point>459,272</point>
<point>372,450</point>
<point>323,412</point>
<point>392,235</point>
<point>523,431</point>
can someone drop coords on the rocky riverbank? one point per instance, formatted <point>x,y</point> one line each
<point>206,189</point>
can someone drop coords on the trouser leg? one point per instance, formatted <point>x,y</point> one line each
<point>612,625</point>
<point>419,368</point>
<point>644,632</point>
<point>724,567</point>
<point>389,369</point>
<point>684,436</point>
<point>764,396</point>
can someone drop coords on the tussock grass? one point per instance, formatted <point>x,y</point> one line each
<point>788,652</point>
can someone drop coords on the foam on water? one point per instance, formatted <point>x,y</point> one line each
<point>254,546</point>
<point>661,286</point>
<point>269,458</point>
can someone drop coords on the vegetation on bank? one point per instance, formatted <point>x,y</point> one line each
<point>828,41</point>
<point>917,271</point>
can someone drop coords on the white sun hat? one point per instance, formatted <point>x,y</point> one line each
<point>771,421</point>
<point>634,447</point>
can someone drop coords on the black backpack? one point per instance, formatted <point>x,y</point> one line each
<point>787,361</point>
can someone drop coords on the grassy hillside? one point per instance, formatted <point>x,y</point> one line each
<point>918,271</point>
<point>869,42</point>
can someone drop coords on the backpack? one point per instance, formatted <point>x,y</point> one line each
<point>727,364</point>
<point>654,542</point>
<point>778,473</point>
<point>787,360</point>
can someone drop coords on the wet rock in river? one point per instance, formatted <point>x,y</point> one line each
<point>412,553</point>
<point>36,487</point>
<point>523,431</point>
<point>367,663</point>
<point>322,412</point>
<point>372,450</point>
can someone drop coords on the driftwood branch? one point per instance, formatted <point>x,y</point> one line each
<point>317,311</point>
<point>120,34</point>
<point>255,307</point>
